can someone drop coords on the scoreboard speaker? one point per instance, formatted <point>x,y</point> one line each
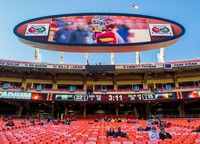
<point>100,67</point>
<point>39,88</point>
<point>5,86</point>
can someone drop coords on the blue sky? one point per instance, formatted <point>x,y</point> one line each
<point>182,11</point>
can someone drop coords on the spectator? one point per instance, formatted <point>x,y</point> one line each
<point>164,135</point>
<point>120,133</point>
<point>55,122</point>
<point>96,120</point>
<point>153,134</point>
<point>148,128</point>
<point>111,132</point>
<point>10,123</point>
<point>159,118</point>
<point>32,121</point>
<point>197,130</point>
<point>23,122</point>
<point>161,125</point>
<point>68,122</point>
<point>140,128</point>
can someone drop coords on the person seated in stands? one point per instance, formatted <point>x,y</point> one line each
<point>161,125</point>
<point>32,121</point>
<point>42,122</point>
<point>49,118</point>
<point>105,118</point>
<point>119,120</point>
<point>61,121</point>
<point>68,122</point>
<point>120,133</point>
<point>191,120</point>
<point>96,120</point>
<point>151,118</point>
<point>140,128</point>
<point>197,130</point>
<point>102,120</point>
<point>55,122</point>
<point>112,120</point>
<point>5,119</point>
<point>23,122</point>
<point>135,122</point>
<point>10,118</point>
<point>129,121</point>
<point>153,134</point>
<point>159,118</point>
<point>111,132</point>
<point>10,123</point>
<point>164,135</point>
<point>155,122</point>
<point>108,120</point>
<point>148,128</point>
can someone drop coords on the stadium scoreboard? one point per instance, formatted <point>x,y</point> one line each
<point>104,97</point>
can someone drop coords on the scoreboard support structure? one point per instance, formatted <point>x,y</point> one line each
<point>61,57</point>
<point>112,58</point>
<point>162,55</point>
<point>137,57</point>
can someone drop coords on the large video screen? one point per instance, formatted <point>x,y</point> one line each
<point>102,29</point>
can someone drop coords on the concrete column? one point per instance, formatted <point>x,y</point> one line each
<point>137,57</point>
<point>66,111</point>
<point>175,80</point>
<point>86,58</point>
<point>162,55</point>
<point>115,82</point>
<point>37,55</point>
<point>148,109</point>
<point>135,111</point>
<point>117,111</point>
<point>61,57</point>
<point>84,83</point>
<point>84,111</point>
<point>112,58</point>
<point>32,84</point>
<point>145,85</point>
<point>181,110</point>
<point>19,110</point>
<point>54,85</point>
<point>24,85</point>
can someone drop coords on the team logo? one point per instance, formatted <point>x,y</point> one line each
<point>37,30</point>
<point>161,30</point>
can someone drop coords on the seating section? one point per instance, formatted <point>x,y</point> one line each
<point>121,91</point>
<point>176,89</point>
<point>60,90</point>
<point>80,132</point>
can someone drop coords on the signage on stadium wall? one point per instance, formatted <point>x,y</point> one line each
<point>39,65</point>
<point>15,95</point>
<point>167,65</point>
<point>25,96</point>
<point>139,66</point>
